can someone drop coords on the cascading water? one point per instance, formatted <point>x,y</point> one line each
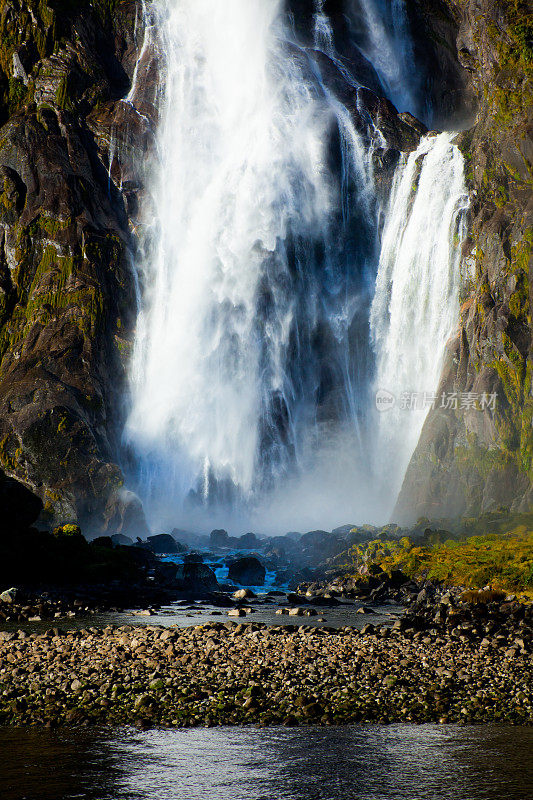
<point>251,365</point>
<point>416,304</point>
<point>384,37</point>
<point>258,343</point>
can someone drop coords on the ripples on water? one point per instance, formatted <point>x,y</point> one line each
<point>397,762</point>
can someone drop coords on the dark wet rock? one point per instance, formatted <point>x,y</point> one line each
<point>364,75</point>
<point>195,577</point>
<point>281,547</point>
<point>219,538</point>
<point>364,97</point>
<point>164,543</point>
<point>193,558</point>
<point>248,541</point>
<point>398,578</point>
<point>124,513</point>
<point>103,541</point>
<point>165,574</point>
<point>317,546</point>
<point>248,571</point>
<point>119,538</point>
<point>19,507</point>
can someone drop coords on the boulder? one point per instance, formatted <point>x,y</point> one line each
<point>19,507</point>
<point>165,573</point>
<point>195,577</point>
<point>242,594</point>
<point>248,541</point>
<point>164,543</point>
<point>9,596</point>
<point>248,571</point>
<point>121,539</point>
<point>281,546</point>
<point>343,530</point>
<point>125,514</point>
<point>193,558</point>
<point>219,538</point>
<point>318,546</point>
<point>103,541</point>
<point>398,578</point>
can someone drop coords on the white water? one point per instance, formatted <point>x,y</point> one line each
<point>323,33</point>
<point>387,45</point>
<point>248,376</point>
<point>416,304</point>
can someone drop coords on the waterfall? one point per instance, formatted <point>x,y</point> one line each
<point>251,365</point>
<point>323,33</point>
<point>386,42</point>
<point>416,304</point>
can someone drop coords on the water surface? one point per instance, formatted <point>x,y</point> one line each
<point>366,762</point>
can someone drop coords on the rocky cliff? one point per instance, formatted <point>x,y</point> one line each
<point>67,299</point>
<point>469,460</point>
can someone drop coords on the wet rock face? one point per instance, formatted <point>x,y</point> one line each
<point>66,288</point>
<point>371,112</point>
<point>445,85</point>
<point>473,461</point>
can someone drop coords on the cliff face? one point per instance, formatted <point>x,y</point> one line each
<point>66,287</point>
<point>470,460</point>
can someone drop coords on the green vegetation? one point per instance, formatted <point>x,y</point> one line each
<point>485,551</point>
<point>53,279</point>
<point>43,28</point>
<point>67,530</point>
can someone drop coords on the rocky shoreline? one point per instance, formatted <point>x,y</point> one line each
<point>453,656</point>
<point>228,673</point>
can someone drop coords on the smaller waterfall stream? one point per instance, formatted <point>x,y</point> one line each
<point>416,303</point>
<point>386,42</point>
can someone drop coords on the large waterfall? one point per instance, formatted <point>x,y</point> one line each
<point>254,359</point>
<point>251,358</point>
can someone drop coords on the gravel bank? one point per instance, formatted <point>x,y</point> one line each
<point>230,673</point>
